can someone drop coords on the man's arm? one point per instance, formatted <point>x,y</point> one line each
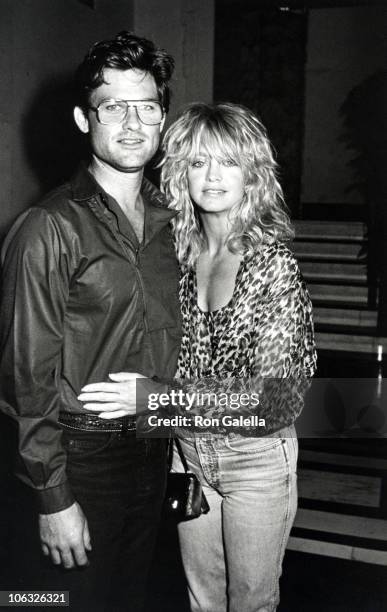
<point>35,284</point>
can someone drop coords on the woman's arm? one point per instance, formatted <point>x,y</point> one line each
<point>284,352</point>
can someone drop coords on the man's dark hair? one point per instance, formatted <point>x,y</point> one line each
<point>124,52</point>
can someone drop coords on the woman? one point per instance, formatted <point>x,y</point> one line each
<point>246,314</point>
<point>246,318</point>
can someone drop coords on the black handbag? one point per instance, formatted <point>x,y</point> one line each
<point>184,498</point>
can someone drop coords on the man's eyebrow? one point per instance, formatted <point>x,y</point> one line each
<point>129,100</point>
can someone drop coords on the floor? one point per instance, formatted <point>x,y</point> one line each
<point>309,582</point>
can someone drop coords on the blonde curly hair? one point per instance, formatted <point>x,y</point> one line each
<point>224,131</point>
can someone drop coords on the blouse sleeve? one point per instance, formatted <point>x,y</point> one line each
<point>284,326</point>
<point>284,352</point>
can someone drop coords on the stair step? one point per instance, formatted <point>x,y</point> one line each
<point>345,316</point>
<point>371,448</point>
<point>324,303</point>
<point>348,342</point>
<point>325,230</point>
<point>339,551</point>
<point>349,293</point>
<point>356,330</point>
<point>329,458</point>
<point>334,271</point>
<point>344,524</point>
<point>327,250</point>
<point>347,481</point>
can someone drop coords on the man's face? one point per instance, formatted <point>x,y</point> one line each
<point>129,145</point>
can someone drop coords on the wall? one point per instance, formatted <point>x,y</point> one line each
<point>345,46</point>
<point>41,41</point>
<point>185,28</point>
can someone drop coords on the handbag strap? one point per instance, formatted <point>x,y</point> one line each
<point>180,451</point>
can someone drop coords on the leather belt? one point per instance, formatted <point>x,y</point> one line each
<point>92,422</point>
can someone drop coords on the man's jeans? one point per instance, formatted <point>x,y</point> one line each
<point>233,555</point>
<point>119,481</point>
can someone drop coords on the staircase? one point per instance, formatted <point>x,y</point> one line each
<point>342,481</point>
<point>333,259</point>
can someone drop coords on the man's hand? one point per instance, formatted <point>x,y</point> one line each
<point>112,400</point>
<point>65,536</point>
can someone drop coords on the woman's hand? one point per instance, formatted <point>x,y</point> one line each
<point>112,400</point>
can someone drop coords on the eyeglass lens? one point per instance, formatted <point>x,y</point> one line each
<point>114,111</point>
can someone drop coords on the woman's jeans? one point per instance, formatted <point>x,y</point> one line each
<point>233,555</point>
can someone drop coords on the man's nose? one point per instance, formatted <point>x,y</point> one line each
<point>213,171</point>
<point>131,121</point>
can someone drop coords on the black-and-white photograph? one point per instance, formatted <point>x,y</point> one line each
<point>193,306</point>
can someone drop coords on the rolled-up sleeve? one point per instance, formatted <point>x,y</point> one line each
<point>35,281</point>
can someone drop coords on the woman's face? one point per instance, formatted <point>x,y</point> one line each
<point>215,184</point>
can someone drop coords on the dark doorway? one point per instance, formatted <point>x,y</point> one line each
<point>260,54</point>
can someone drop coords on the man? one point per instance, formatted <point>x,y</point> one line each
<point>89,289</point>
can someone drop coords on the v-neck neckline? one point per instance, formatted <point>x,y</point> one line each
<point>228,305</point>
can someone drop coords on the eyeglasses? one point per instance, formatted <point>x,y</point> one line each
<point>110,112</point>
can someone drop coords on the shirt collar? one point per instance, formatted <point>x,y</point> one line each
<point>85,187</point>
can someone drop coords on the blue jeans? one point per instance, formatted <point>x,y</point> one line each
<point>233,555</point>
<point>119,481</point>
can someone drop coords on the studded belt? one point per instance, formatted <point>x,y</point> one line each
<point>92,422</point>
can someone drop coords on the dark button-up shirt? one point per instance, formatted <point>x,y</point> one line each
<point>81,298</point>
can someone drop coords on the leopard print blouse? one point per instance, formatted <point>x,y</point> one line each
<point>265,331</point>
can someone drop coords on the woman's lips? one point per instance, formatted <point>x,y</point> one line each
<point>214,191</point>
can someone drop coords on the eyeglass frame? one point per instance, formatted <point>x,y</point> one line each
<point>96,110</point>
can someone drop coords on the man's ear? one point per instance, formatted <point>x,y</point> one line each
<point>162,123</point>
<point>81,120</point>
